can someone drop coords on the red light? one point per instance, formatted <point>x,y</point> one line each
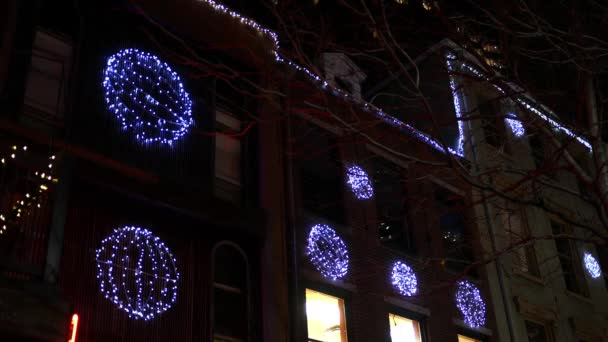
<point>74,328</point>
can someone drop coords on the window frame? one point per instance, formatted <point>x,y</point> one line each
<point>407,314</point>
<point>549,334</point>
<point>248,289</point>
<point>221,183</point>
<point>573,257</point>
<point>329,290</point>
<point>529,249</point>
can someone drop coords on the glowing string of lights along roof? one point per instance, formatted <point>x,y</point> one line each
<point>147,97</point>
<point>359,182</point>
<point>137,272</point>
<point>327,252</point>
<point>404,279</point>
<point>592,266</point>
<point>470,304</point>
<point>323,84</point>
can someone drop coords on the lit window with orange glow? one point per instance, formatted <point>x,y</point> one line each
<point>325,317</point>
<point>462,338</point>
<point>404,329</point>
<point>73,328</point>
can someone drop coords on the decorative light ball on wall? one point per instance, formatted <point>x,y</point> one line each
<point>470,304</point>
<point>147,97</point>
<point>592,266</point>
<point>517,128</point>
<point>404,279</point>
<point>359,182</point>
<point>137,272</point>
<point>327,252</point>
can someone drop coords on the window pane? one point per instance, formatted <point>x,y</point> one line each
<point>230,267</point>
<point>325,317</point>
<point>536,332</point>
<point>403,329</point>
<point>466,339</point>
<point>230,314</point>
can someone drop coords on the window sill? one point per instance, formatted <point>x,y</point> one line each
<point>315,276</point>
<point>582,298</point>
<point>481,330</point>
<point>407,305</point>
<point>535,279</point>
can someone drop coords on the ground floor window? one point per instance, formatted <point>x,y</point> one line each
<point>404,329</point>
<point>462,338</point>
<point>538,332</point>
<point>325,317</point>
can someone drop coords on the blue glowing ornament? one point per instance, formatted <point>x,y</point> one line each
<point>517,128</point>
<point>470,304</point>
<point>147,97</point>
<point>592,266</point>
<point>404,279</point>
<point>327,252</point>
<point>359,183</point>
<point>137,272</point>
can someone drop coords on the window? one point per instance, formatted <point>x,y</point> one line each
<point>230,294</point>
<point>462,338</point>
<point>47,77</point>
<point>603,261</point>
<point>537,332</point>
<point>568,258</point>
<point>538,149</point>
<point>227,157</point>
<point>325,317</point>
<point>404,329</point>
<point>492,123</point>
<point>457,239</point>
<point>321,173</point>
<point>524,257</point>
<point>390,198</point>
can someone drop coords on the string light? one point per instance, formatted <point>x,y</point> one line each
<point>592,266</point>
<point>147,97</point>
<point>517,128</point>
<point>359,183</point>
<point>456,96</point>
<point>327,252</point>
<point>137,272</point>
<point>470,304</point>
<point>404,279</point>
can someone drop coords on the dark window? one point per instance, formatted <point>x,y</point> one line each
<point>230,294</point>
<point>603,261</point>
<point>537,332</point>
<point>321,174</point>
<point>569,260</point>
<point>524,256</point>
<point>390,195</point>
<point>492,123</point>
<point>227,157</point>
<point>537,147</point>
<point>456,236</point>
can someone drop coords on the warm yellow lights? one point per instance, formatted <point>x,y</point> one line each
<point>466,339</point>
<point>325,317</point>
<point>403,329</point>
<point>73,328</point>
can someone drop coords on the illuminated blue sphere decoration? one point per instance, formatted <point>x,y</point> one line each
<point>137,272</point>
<point>470,304</point>
<point>592,266</point>
<point>359,183</point>
<point>404,279</point>
<point>147,97</point>
<point>327,252</point>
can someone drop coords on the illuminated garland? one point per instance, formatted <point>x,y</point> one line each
<point>137,272</point>
<point>327,252</point>
<point>592,266</point>
<point>470,304</point>
<point>517,128</point>
<point>147,97</point>
<point>359,183</point>
<point>456,96</point>
<point>33,197</point>
<point>404,279</point>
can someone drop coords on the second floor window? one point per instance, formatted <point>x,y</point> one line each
<point>569,259</point>
<point>538,332</point>
<point>227,157</point>
<point>492,122</point>
<point>524,255</point>
<point>456,236</point>
<point>391,204</point>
